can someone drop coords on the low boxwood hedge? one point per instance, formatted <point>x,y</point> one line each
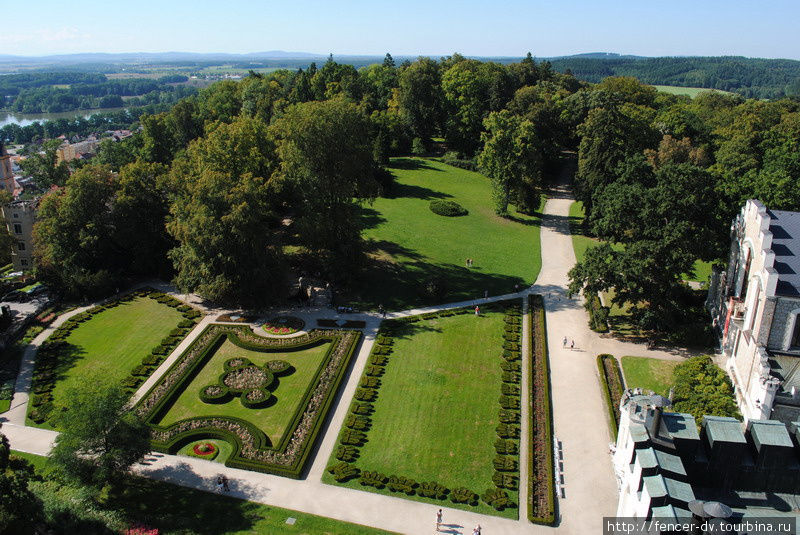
<point>447,208</point>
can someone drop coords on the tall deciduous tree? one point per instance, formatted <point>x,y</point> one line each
<point>100,437</point>
<point>512,160</point>
<point>420,97</point>
<point>222,217</point>
<point>44,167</point>
<point>325,150</point>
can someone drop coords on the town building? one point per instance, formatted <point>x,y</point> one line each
<point>20,217</point>
<point>755,308</point>
<point>6,171</point>
<point>72,151</point>
<point>727,472</point>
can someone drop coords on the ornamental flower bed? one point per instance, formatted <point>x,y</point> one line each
<point>283,325</point>
<point>205,449</point>
<point>252,449</point>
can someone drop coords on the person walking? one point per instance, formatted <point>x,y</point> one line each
<point>565,342</point>
<point>438,519</point>
<point>477,530</point>
<point>225,485</point>
<point>477,310</point>
<point>572,344</point>
<point>219,484</point>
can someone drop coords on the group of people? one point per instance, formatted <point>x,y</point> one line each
<point>468,263</point>
<point>475,531</point>
<point>222,484</point>
<point>571,343</point>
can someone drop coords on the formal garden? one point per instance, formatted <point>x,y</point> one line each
<point>123,340</point>
<point>259,402</point>
<point>436,417</point>
<point>412,255</point>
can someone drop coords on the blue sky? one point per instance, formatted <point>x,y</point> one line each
<point>411,27</point>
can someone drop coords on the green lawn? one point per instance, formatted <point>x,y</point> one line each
<point>274,419</point>
<point>113,342</point>
<point>409,245</point>
<point>649,374</point>
<point>688,91</point>
<point>437,408</point>
<point>178,511</point>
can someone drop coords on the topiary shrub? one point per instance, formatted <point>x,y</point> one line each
<point>511,356</point>
<point>447,208</point>
<point>508,430</point>
<point>510,366</point>
<point>505,447</point>
<point>357,422</point>
<point>432,489</point>
<point>370,382</point>
<point>509,402</point>
<point>366,394</point>
<point>504,463</point>
<point>510,377</point>
<point>402,484</point>
<point>373,479</point>
<point>343,472</point>
<point>375,371</point>
<point>509,389</point>
<point>505,481</point>
<point>464,495</point>
<point>378,360</point>
<point>353,437</point>
<point>347,453</point>
<point>497,498</point>
<point>509,417</point>
<point>363,408</point>
<point>152,360</point>
<point>142,371</point>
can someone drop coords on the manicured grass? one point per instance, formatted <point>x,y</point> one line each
<point>649,374</point>
<point>274,419</point>
<point>223,446</point>
<point>5,404</point>
<point>409,246</point>
<point>688,91</point>
<point>177,510</point>
<point>113,342</point>
<point>437,409</point>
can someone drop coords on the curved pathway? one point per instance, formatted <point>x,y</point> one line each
<point>588,484</point>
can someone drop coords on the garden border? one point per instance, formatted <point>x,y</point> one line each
<point>612,402</point>
<point>540,426</point>
<point>288,457</point>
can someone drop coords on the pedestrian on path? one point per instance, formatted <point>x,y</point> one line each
<point>565,342</point>
<point>572,344</point>
<point>477,530</point>
<point>382,311</point>
<point>225,485</point>
<point>438,519</point>
<point>477,310</point>
<point>220,486</point>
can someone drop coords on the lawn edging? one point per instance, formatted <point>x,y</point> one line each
<point>541,460</point>
<point>612,385</point>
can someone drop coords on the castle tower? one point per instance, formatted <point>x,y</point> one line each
<point>6,171</point>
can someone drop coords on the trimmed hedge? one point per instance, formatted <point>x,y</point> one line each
<point>447,208</point>
<point>611,385</point>
<point>541,462</point>
<point>598,314</point>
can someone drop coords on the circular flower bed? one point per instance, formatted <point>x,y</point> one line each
<point>214,394</point>
<point>283,325</point>
<point>206,450</point>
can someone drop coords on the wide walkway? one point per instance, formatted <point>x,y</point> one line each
<point>589,488</point>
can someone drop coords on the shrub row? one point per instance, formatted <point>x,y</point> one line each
<point>541,469</point>
<point>598,314</point>
<point>611,385</point>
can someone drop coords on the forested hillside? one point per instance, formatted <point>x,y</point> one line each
<point>750,77</point>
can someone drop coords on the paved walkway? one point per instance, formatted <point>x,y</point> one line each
<point>589,488</point>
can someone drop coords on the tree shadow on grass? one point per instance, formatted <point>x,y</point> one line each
<point>411,164</point>
<point>411,191</point>
<point>177,509</point>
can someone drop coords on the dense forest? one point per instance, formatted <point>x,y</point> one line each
<point>209,184</point>
<point>750,77</point>
<point>59,92</point>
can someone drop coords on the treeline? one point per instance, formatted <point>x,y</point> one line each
<point>663,176</point>
<point>750,77</point>
<point>249,181</point>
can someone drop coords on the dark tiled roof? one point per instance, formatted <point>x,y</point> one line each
<point>785,229</point>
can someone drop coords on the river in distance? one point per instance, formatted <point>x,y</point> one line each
<point>24,119</point>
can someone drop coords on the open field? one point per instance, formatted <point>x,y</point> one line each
<point>113,342</point>
<point>272,420</point>
<point>410,247</point>
<point>688,91</point>
<point>649,374</point>
<point>178,510</point>
<point>436,412</point>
